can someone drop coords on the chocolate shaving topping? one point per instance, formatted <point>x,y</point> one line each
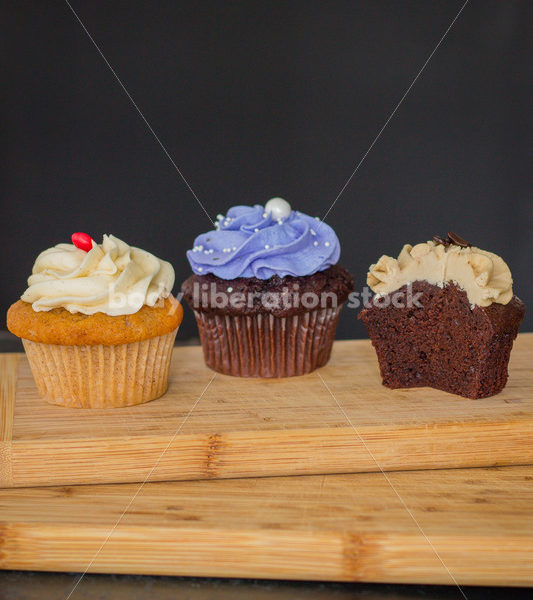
<point>458,241</point>
<point>452,238</point>
<point>439,240</point>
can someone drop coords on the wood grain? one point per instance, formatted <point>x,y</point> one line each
<point>8,369</point>
<point>250,428</point>
<point>333,527</point>
<point>8,382</point>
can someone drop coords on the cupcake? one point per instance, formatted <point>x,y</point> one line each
<point>98,323</point>
<point>444,316</point>
<point>266,291</point>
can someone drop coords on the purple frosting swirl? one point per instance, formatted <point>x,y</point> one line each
<point>249,242</point>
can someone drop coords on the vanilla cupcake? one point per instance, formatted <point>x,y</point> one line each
<point>98,323</point>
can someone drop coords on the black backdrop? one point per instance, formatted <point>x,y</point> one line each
<point>259,99</point>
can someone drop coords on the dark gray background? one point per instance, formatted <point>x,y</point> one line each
<point>259,99</point>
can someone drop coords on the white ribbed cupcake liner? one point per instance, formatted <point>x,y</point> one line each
<point>101,376</point>
<point>266,346</point>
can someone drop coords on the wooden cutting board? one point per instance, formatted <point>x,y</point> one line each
<point>473,526</point>
<point>206,428</point>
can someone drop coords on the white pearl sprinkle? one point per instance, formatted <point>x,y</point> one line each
<point>267,246</point>
<point>200,269</point>
<point>326,243</point>
<point>229,290</point>
<point>206,251</point>
<point>315,243</point>
<point>220,217</point>
<point>317,218</point>
<point>200,247</point>
<point>234,248</point>
<point>265,215</point>
<point>256,230</point>
<point>278,208</point>
<point>313,232</point>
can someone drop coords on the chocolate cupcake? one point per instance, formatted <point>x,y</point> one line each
<point>444,316</point>
<point>266,291</point>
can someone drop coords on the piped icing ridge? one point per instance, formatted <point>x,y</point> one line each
<point>484,276</point>
<point>112,278</point>
<point>263,241</point>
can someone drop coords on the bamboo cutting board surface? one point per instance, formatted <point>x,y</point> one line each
<point>253,427</point>
<point>476,522</point>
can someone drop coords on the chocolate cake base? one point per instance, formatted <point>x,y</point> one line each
<point>444,343</point>
<point>201,291</point>
<point>277,327</point>
<point>266,346</point>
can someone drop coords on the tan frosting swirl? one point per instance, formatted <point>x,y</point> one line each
<point>113,278</point>
<point>484,276</point>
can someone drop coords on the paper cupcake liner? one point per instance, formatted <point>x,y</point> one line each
<point>101,376</point>
<point>266,346</point>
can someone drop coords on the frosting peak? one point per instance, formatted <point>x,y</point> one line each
<point>113,278</point>
<point>257,241</point>
<point>484,276</point>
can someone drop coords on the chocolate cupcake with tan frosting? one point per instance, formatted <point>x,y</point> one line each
<point>98,323</point>
<point>267,291</point>
<point>444,316</point>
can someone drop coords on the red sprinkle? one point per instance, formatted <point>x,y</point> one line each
<point>83,241</point>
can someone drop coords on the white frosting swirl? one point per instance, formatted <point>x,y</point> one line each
<point>484,276</point>
<point>113,278</point>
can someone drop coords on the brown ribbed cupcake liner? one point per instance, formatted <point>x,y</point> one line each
<point>266,346</point>
<point>101,376</point>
